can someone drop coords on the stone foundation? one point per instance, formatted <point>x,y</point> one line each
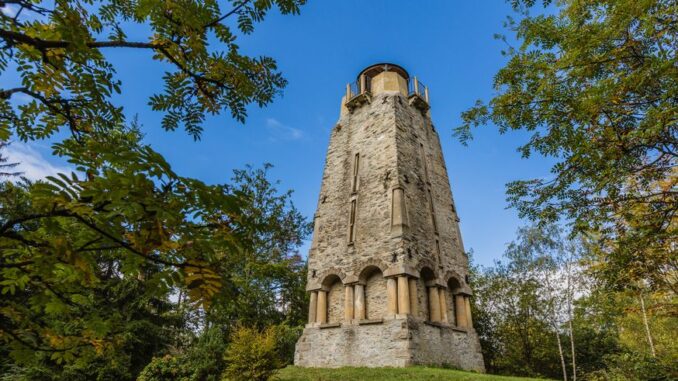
<point>399,342</point>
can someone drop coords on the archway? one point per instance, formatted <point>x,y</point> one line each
<point>375,292</point>
<point>453,288</point>
<point>426,275</point>
<point>335,298</point>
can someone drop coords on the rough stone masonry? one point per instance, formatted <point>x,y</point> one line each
<point>387,271</point>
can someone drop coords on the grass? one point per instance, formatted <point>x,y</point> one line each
<point>292,373</point>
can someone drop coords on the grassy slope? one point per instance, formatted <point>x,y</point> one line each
<point>386,374</point>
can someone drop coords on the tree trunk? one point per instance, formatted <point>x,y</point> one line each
<point>562,357</point>
<point>568,298</point>
<point>574,361</point>
<point>647,325</point>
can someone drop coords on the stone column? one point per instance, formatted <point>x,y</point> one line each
<point>460,310</point>
<point>348,302</point>
<point>434,303</point>
<point>469,320</point>
<point>313,306</point>
<point>359,293</point>
<point>403,295</point>
<point>398,213</point>
<point>392,296</point>
<point>321,315</point>
<point>443,305</point>
<point>414,303</point>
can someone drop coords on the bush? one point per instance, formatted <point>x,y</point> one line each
<point>166,368</point>
<point>630,366</point>
<point>252,354</point>
<point>286,338</point>
<point>202,361</point>
<point>205,357</point>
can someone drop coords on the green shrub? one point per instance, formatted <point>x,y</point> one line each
<point>202,360</point>
<point>205,356</point>
<point>630,366</point>
<point>286,337</point>
<point>252,354</point>
<point>166,368</point>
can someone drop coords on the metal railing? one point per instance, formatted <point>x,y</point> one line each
<point>360,86</point>
<point>353,89</point>
<point>415,87</point>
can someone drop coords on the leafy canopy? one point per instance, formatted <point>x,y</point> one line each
<point>596,85</point>
<point>59,52</point>
<point>125,217</point>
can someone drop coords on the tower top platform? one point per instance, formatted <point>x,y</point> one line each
<point>374,70</point>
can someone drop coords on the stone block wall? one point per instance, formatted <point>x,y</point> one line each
<point>374,345</point>
<point>335,302</point>
<point>445,346</point>
<point>375,296</point>
<point>395,342</point>
<point>386,229</point>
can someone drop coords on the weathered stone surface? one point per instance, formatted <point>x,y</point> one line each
<point>385,212</point>
<point>394,342</point>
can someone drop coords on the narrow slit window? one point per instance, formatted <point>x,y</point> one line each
<point>351,230</point>
<point>433,213</point>
<point>356,165</point>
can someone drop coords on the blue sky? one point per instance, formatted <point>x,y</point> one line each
<point>448,45</point>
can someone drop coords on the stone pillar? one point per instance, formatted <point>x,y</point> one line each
<point>392,296</point>
<point>443,305</point>
<point>414,303</point>
<point>321,315</point>
<point>359,293</point>
<point>348,302</point>
<point>398,213</point>
<point>469,320</point>
<point>403,295</point>
<point>460,309</point>
<point>434,304</point>
<point>313,306</point>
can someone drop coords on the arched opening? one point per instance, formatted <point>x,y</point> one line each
<point>335,298</point>
<point>453,287</point>
<point>375,292</point>
<point>426,276</point>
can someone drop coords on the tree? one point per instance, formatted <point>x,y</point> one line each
<point>604,106</point>
<point>59,52</point>
<point>267,283</point>
<point>527,304</point>
<point>545,290</point>
<point>70,244</point>
<point>517,309</point>
<point>123,215</point>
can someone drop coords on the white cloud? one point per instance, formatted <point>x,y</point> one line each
<point>31,163</point>
<point>280,131</point>
<point>8,10</point>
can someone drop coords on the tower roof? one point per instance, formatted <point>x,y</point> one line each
<point>373,70</point>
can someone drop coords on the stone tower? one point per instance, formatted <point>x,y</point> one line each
<point>387,271</point>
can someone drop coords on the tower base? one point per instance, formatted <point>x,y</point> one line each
<point>397,342</point>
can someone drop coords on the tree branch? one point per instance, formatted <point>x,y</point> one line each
<point>224,17</point>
